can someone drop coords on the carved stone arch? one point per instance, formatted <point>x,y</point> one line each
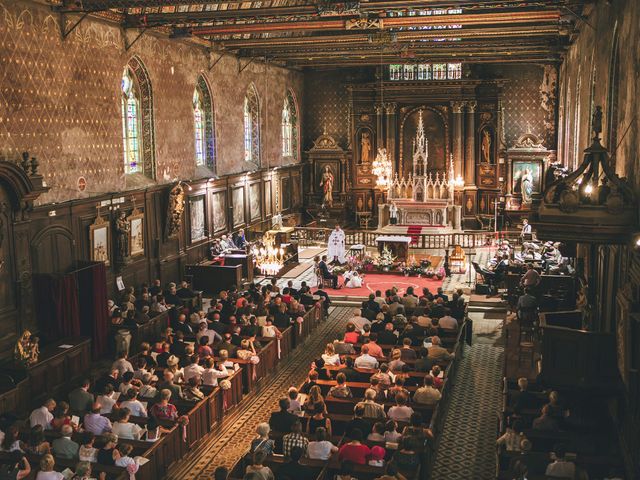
<point>53,250</point>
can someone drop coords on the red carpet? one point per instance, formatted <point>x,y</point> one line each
<point>377,281</point>
<point>413,231</point>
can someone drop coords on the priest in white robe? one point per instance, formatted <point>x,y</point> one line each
<point>336,247</point>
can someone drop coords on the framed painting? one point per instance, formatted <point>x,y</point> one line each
<point>100,238</point>
<point>219,205</point>
<point>237,198</point>
<point>527,178</point>
<point>197,224</point>
<point>136,233</point>
<point>255,201</point>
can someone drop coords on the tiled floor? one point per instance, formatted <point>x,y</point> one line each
<point>467,446</point>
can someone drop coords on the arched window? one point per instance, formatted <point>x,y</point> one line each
<point>289,127</point>
<point>204,125</point>
<point>252,127</point>
<point>137,120</point>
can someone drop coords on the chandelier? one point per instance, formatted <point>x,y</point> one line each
<point>382,168</point>
<point>269,259</point>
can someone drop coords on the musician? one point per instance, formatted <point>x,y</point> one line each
<point>240,240</point>
<point>326,273</point>
<point>526,228</point>
<point>226,243</point>
<point>531,278</point>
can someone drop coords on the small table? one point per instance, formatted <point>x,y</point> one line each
<point>397,245</point>
<point>357,251</point>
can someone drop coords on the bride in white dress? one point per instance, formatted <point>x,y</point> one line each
<point>352,279</point>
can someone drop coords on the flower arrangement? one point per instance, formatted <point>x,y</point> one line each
<point>368,264</point>
<point>416,268</point>
<point>386,260</point>
<point>225,384</point>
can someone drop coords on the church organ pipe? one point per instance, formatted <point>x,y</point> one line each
<point>470,145</point>
<point>457,137</point>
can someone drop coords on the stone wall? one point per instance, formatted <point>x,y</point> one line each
<point>589,77</point>
<point>61,101</point>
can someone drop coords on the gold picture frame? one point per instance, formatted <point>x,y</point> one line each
<point>136,233</point>
<point>100,240</point>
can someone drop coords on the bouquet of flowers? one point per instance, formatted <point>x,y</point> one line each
<point>225,384</point>
<point>440,273</point>
<point>386,260</point>
<point>368,265</point>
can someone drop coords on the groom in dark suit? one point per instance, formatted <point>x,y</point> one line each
<point>326,274</point>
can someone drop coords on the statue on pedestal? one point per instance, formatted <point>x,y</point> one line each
<point>365,148</point>
<point>327,186</point>
<point>27,349</point>
<point>122,228</point>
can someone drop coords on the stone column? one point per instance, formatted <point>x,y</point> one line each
<point>470,146</point>
<point>456,107</point>
<point>390,109</point>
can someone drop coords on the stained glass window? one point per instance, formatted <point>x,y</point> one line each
<point>289,127</point>
<point>131,123</point>
<point>409,72</point>
<point>200,134</point>
<point>251,127</point>
<point>395,71</point>
<point>454,71</point>
<point>424,71</point>
<point>439,71</point>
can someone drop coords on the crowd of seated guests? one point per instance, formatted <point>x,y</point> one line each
<point>391,355</point>
<point>137,400</point>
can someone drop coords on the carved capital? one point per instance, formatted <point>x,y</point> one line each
<point>471,106</point>
<point>390,108</point>
<point>379,109</point>
<point>457,107</point>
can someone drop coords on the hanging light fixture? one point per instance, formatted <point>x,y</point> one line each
<point>381,166</point>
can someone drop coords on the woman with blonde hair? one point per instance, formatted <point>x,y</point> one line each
<point>314,396</point>
<point>47,463</point>
<point>330,356</point>
<point>246,350</point>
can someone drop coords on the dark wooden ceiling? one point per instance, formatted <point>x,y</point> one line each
<point>328,34</point>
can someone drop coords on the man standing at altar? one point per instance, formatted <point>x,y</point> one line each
<point>335,247</point>
<point>393,214</point>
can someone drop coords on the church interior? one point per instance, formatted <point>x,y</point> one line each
<point>318,239</point>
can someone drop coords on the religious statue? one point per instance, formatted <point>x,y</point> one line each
<point>365,148</point>
<point>526,183</point>
<point>122,228</point>
<point>174,212</point>
<point>27,349</point>
<point>336,247</point>
<point>486,146</point>
<point>327,186</point>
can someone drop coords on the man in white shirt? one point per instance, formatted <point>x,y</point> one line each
<point>210,375</point>
<point>400,412</point>
<point>42,416</point>
<point>560,468</point>
<point>134,405</point>
<point>365,360</point>
<point>122,364</point>
<point>204,331</point>
<point>526,228</point>
<point>379,299</point>
<point>448,321</point>
<point>192,370</point>
<point>358,320</point>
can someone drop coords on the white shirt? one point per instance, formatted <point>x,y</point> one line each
<point>190,371</point>
<point>331,359</point>
<point>211,335</point>
<point>400,413</point>
<point>359,322</point>
<point>124,388</point>
<point>365,361</point>
<point>129,431</point>
<point>210,376</point>
<point>49,476</point>
<point>135,407</point>
<point>526,229</point>
<point>41,416</point>
<point>448,322</point>
<point>320,450</point>
<point>122,365</point>
<point>106,402</point>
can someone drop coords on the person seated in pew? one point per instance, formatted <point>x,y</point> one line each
<point>111,378</point>
<point>318,418</point>
<point>154,430</point>
<point>351,373</point>
<point>192,392</point>
<point>148,389</point>
<point>364,334</point>
<point>163,410</point>
<point>62,417</point>
<point>560,467</point>
<point>381,391</point>
<point>448,322</point>
<point>370,308</point>
<point>282,420</point>
<point>294,439</point>
<point>108,454</point>
<point>128,382</point>
<point>525,400</point>
<point>407,458</point>
<point>11,442</point>
<point>341,390</point>
<point>132,403</point>
<point>17,467</point>
<point>358,422</point>
<point>262,443</point>
<point>224,360</point>
<point>423,363</point>
<point>184,292</point>
<point>80,399</point>
<point>388,336</point>
<point>269,330</point>
<point>377,433</point>
<point>168,383</point>
<point>84,472</point>
<point>36,444</point>
<point>375,350</point>
<point>204,349</point>
<point>205,331</point>
<point>107,400</point>
<point>63,446</point>
<point>377,456</point>
<point>257,470</point>
<point>556,409</point>
<point>354,451</point>
<point>295,405</point>
<point>545,421</point>
<point>211,373</point>
<point>391,433</point>
<point>314,396</point>
<point>416,434</point>
<point>193,369</point>
<point>125,460</point>
<point>437,375</point>
<point>371,408</point>
<point>87,452</point>
<point>401,412</point>
<point>351,336</point>
<point>406,352</point>
<point>383,376</point>
<point>310,382</point>
<point>343,348</point>
<point>330,356</point>
<point>294,470</point>
<point>321,448</point>
<point>141,369</point>
<point>397,388</point>
<point>95,422</point>
<point>396,364</point>
<point>365,360</point>
<point>123,428</point>
<point>437,352</point>
<point>427,394</point>
<point>47,472</point>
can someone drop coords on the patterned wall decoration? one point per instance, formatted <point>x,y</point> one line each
<point>61,101</point>
<point>523,103</point>
<point>327,108</point>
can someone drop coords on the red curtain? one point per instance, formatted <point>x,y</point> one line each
<point>57,305</point>
<point>100,310</point>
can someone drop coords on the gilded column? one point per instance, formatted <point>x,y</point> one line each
<point>457,107</point>
<point>390,109</point>
<point>470,146</point>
